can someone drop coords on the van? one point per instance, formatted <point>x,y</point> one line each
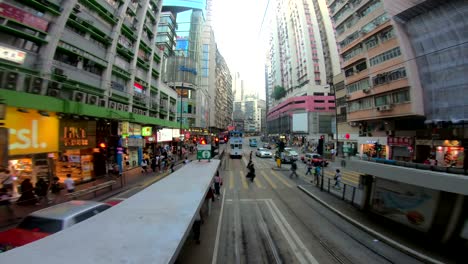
<point>253,142</point>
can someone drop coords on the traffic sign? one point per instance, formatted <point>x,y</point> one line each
<point>203,152</point>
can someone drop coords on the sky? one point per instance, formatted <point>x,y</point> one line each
<point>236,26</point>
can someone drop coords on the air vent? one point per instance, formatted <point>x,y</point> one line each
<point>79,97</point>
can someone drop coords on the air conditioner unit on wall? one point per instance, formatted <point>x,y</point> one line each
<point>11,80</point>
<point>125,108</point>
<point>35,86</point>
<point>102,102</point>
<point>53,92</point>
<point>367,90</point>
<point>112,105</point>
<point>120,106</point>
<point>384,108</point>
<point>78,96</point>
<point>92,99</point>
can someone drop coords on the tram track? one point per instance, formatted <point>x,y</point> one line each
<point>334,252</point>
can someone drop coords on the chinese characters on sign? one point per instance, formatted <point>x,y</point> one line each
<point>24,17</point>
<point>74,136</point>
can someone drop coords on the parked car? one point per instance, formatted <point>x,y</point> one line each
<point>47,221</point>
<point>263,153</point>
<point>315,158</point>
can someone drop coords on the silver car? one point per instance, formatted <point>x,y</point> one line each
<point>61,216</point>
<point>263,153</point>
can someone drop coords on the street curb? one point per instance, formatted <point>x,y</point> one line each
<point>372,232</point>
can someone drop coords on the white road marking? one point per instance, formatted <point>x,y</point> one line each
<point>218,231</point>
<point>305,251</point>
<point>264,229</point>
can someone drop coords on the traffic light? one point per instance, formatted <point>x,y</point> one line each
<point>216,141</point>
<point>320,145</point>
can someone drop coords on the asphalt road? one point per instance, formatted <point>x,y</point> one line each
<point>271,221</point>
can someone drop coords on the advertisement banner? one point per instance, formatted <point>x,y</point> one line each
<point>30,132</point>
<point>24,17</point>
<point>164,135</point>
<point>410,205</point>
<point>77,134</point>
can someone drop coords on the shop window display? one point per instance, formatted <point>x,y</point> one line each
<point>79,165</point>
<point>450,156</point>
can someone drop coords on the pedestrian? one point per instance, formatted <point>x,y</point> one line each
<point>186,161</point>
<point>7,182</point>
<point>250,157</point>
<point>218,182</point>
<point>144,166</point>
<point>293,169</point>
<point>27,193</point>
<point>251,173</point>
<point>172,165</point>
<point>55,189</point>
<point>317,172</point>
<point>5,198</point>
<point>309,168</point>
<point>41,190</point>
<point>337,179</point>
<point>69,183</point>
<point>196,227</point>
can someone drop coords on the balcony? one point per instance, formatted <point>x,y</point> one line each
<point>381,112</point>
<point>86,17</point>
<point>79,75</point>
<point>79,41</point>
<point>111,8</point>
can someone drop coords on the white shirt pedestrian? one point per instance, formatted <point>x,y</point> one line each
<point>69,184</point>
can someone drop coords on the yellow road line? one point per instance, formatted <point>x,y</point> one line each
<point>267,178</point>
<point>231,180</point>
<point>243,180</point>
<point>280,178</point>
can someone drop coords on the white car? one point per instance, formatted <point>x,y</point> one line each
<point>263,153</point>
<point>292,153</point>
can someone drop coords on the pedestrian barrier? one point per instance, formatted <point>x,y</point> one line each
<point>91,189</point>
<point>345,191</point>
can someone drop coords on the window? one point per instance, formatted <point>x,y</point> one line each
<point>92,67</point>
<point>353,52</point>
<point>371,42</point>
<point>382,100</point>
<point>390,54</point>
<point>359,85</point>
<point>401,97</point>
<point>386,35</point>
<point>45,225</point>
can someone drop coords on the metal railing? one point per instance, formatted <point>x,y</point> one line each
<point>346,192</point>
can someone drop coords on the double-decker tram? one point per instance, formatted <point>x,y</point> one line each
<point>235,144</point>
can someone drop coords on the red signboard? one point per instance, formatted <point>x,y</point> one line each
<point>399,141</point>
<point>23,17</point>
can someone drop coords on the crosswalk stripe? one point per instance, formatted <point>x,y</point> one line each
<point>231,180</point>
<point>280,178</point>
<point>258,183</point>
<point>267,178</point>
<point>243,180</point>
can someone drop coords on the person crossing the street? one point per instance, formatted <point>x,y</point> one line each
<point>293,169</point>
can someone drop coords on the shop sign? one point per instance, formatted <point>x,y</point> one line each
<point>124,128</point>
<point>13,55</point>
<point>164,135</point>
<point>134,142</point>
<point>135,130</point>
<point>146,131</point>
<point>399,141</point>
<point>31,133</point>
<point>75,136</point>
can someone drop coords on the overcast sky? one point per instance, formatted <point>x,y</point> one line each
<point>237,26</point>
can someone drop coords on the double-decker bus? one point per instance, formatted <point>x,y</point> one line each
<point>235,144</point>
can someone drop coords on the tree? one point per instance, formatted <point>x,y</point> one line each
<point>279,92</point>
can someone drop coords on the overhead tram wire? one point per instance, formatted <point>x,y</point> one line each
<point>264,15</point>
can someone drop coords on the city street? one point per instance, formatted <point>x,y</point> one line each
<point>271,221</point>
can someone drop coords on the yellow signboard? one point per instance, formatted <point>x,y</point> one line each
<point>31,132</point>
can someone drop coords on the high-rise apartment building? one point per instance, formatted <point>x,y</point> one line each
<point>403,77</point>
<point>84,78</point>
<point>302,61</point>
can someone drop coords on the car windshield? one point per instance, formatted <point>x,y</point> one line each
<point>41,224</point>
<point>292,152</point>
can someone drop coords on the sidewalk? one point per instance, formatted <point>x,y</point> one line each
<point>130,179</point>
<point>391,233</point>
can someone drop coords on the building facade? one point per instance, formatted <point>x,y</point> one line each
<point>302,61</point>
<point>85,79</point>
<point>397,88</point>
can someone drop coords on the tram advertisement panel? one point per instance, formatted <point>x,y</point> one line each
<point>410,205</point>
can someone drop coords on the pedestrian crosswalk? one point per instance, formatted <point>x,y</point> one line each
<point>265,178</point>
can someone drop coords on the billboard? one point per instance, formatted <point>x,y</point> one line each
<point>410,205</point>
<point>300,123</point>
